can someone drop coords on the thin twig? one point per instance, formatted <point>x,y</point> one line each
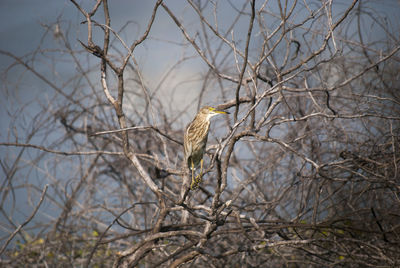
<point>108,227</point>
<point>57,152</point>
<point>246,55</point>
<point>137,128</point>
<point>27,221</point>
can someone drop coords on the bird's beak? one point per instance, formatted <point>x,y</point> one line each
<point>221,112</point>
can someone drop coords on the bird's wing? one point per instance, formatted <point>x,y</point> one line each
<point>188,143</point>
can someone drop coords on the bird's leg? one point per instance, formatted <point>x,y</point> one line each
<point>201,171</point>
<point>193,185</point>
<point>197,180</point>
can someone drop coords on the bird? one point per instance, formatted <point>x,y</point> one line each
<point>195,141</point>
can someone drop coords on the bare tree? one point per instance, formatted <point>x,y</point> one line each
<point>304,173</point>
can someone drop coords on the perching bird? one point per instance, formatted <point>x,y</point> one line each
<point>195,141</point>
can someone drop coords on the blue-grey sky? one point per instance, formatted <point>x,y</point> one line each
<point>23,25</point>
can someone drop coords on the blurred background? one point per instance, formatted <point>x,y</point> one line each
<point>308,99</point>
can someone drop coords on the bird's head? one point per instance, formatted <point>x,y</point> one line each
<point>209,111</point>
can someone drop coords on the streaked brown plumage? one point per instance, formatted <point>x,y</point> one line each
<point>195,141</point>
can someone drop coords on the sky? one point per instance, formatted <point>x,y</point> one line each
<point>23,26</point>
